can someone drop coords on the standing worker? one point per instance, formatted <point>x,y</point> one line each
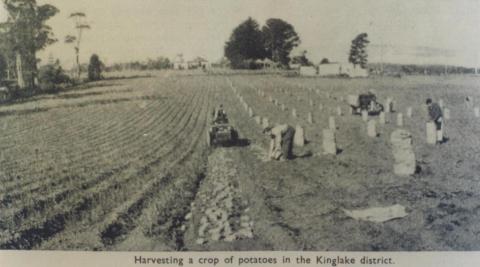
<point>436,115</point>
<point>281,143</point>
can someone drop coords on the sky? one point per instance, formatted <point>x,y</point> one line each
<point>414,31</point>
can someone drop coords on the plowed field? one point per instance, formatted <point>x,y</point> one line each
<point>124,165</point>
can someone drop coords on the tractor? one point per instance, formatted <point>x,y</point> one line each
<point>221,133</point>
<point>366,102</point>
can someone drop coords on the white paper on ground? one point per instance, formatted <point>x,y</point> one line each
<point>378,214</point>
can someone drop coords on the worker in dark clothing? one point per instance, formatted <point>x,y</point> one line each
<point>436,115</point>
<point>219,115</point>
<point>468,101</point>
<point>281,143</point>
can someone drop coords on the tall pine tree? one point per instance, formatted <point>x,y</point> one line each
<point>279,40</point>
<point>358,51</point>
<point>245,45</point>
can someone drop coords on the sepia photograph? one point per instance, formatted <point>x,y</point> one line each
<point>223,125</point>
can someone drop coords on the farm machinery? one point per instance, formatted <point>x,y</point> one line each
<point>221,133</point>
<point>366,102</point>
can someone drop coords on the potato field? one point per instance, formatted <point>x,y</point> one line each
<point>123,164</point>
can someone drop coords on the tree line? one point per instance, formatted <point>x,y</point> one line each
<point>390,69</point>
<point>159,63</point>
<point>23,34</point>
<point>248,43</point>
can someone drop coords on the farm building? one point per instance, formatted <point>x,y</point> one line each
<point>330,69</point>
<point>348,69</point>
<point>179,63</point>
<point>198,62</point>
<point>265,63</point>
<point>308,71</point>
<point>354,72</point>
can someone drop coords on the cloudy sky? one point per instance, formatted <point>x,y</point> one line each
<point>420,31</point>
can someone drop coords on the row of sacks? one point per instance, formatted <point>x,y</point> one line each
<point>402,151</point>
<point>329,143</point>
<point>400,139</point>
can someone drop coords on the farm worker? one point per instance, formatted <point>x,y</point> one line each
<point>468,101</point>
<point>281,143</point>
<point>436,115</point>
<point>219,115</point>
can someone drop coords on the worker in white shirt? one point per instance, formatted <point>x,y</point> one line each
<point>281,143</point>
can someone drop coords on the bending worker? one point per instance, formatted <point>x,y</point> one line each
<point>436,115</point>
<point>281,143</point>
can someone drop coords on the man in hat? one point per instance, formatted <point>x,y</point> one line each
<point>219,115</point>
<point>281,143</point>
<point>436,115</point>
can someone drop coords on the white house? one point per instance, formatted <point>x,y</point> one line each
<point>198,62</point>
<point>265,63</point>
<point>179,63</point>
